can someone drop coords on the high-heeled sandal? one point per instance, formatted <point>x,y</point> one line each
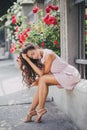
<point>40,113</point>
<point>30,115</point>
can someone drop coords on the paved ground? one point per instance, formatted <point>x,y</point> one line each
<point>12,118</point>
<point>15,100</point>
<point>12,90</point>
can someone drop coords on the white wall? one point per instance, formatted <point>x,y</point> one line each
<point>69,30</point>
<point>72,102</point>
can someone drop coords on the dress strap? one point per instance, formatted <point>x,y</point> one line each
<point>42,59</point>
<point>46,52</point>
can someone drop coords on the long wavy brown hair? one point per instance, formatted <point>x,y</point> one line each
<point>29,75</point>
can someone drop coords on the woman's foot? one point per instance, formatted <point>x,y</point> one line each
<point>40,113</point>
<point>30,115</point>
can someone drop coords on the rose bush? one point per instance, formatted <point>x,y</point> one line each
<point>45,32</point>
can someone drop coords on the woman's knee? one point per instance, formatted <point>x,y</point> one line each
<point>42,79</point>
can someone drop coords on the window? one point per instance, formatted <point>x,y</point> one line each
<point>82,37</point>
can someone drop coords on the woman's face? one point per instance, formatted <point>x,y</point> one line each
<point>34,54</point>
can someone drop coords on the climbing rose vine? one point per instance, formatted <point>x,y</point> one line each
<point>45,32</point>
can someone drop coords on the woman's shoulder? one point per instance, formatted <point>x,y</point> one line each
<point>48,51</point>
<point>45,54</point>
<point>49,54</point>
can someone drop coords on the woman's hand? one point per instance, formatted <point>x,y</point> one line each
<point>25,57</point>
<point>35,83</point>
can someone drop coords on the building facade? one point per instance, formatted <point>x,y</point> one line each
<point>73,29</point>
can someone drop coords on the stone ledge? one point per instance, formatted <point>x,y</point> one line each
<point>72,102</point>
<point>82,86</point>
<point>27,2</point>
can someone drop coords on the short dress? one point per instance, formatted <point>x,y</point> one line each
<point>66,75</point>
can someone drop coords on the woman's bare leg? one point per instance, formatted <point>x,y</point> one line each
<point>35,101</point>
<point>43,88</point>
<point>43,92</point>
<point>36,97</point>
<point>44,81</point>
<point>32,112</point>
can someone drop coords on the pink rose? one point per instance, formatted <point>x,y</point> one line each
<point>14,20</point>
<point>55,42</point>
<point>13,48</point>
<point>36,9</point>
<point>48,9</point>
<point>42,44</point>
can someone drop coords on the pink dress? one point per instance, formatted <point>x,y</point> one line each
<point>66,75</point>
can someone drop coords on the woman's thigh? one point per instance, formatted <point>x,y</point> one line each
<point>49,79</point>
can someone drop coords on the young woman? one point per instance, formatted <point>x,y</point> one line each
<point>42,67</point>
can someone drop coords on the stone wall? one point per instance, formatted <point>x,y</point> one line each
<point>72,102</point>
<point>27,11</point>
<point>69,30</point>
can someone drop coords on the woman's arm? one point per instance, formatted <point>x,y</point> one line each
<point>47,65</point>
<point>34,67</point>
<point>48,62</point>
<point>35,83</point>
